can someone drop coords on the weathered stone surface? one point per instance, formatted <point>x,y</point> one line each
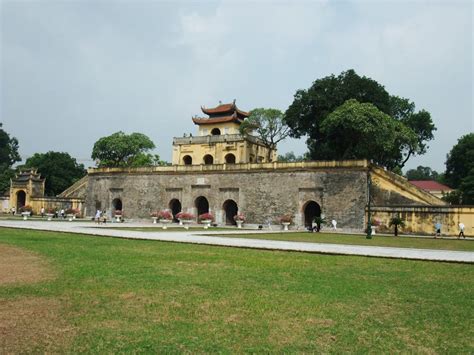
<point>262,195</point>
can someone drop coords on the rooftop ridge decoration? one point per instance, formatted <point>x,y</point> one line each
<point>222,114</point>
<point>25,175</point>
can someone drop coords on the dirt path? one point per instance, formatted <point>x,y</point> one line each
<point>29,324</point>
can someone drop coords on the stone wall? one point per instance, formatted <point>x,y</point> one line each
<point>262,192</point>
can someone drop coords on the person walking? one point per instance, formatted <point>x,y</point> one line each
<point>461,230</point>
<point>334,224</point>
<point>42,212</point>
<point>97,216</point>
<point>438,229</point>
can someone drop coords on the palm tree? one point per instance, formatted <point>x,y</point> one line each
<point>396,221</point>
<point>319,220</point>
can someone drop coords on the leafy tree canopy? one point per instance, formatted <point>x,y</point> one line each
<point>361,131</point>
<point>123,150</point>
<point>311,107</point>
<point>8,156</point>
<point>422,173</point>
<point>460,161</point>
<point>60,170</point>
<point>8,150</point>
<point>291,157</point>
<point>269,126</point>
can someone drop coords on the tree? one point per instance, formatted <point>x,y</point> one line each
<point>269,125</point>
<point>290,157</point>
<point>60,170</point>
<point>460,161</point>
<point>311,107</point>
<point>422,173</point>
<point>8,156</point>
<point>123,150</point>
<point>396,222</point>
<point>361,131</point>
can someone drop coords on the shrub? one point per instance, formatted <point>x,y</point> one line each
<point>239,217</point>
<point>206,217</point>
<point>286,218</point>
<point>118,213</point>
<point>163,215</point>
<point>185,216</point>
<point>26,208</point>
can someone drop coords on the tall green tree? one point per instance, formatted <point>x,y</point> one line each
<point>269,126</point>
<point>8,156</point>
<point>123,150</point>
<point>361,131</point>
<point>290,157</point>
<point>460,171</point>
<point>60,170</point>
<point>311,107</point>
<point>422,173</point>
<point>460,161</point>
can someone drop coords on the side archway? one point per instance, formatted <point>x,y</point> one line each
<point>311,210</point>
<point>202,205</point>
<point>208,159</point>
<point>216,132</point>
<point>20,199</point>
<point>187,160</point>
<point>230,210</point>
<point>175,207</point>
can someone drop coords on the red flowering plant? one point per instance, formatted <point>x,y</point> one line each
<point>286,218</point>
<point>185,216</point>
<point>50,210</point>
<point>118,213</point>
<point>26,208</point>
<point>164,215</point>
<point>73,211</point>
<point>239,217</point>
<point>375,222</point>
<point>206,217</point>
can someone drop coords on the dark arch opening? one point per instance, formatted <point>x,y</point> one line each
<point>216,132</point>
<point>117,204</point>
<point>311,210</point>
<point>187,160</point>
<point>230,158</point>
<point>202,205</point>
<point>20,199</point>
<point>175,207</point>
<point>230,210</point>
<point>208,159</point>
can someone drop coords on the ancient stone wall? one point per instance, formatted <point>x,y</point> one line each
<point>261,194</point>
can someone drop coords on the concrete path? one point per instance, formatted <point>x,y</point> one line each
<point>197,237</point>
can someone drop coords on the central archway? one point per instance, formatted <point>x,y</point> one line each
<point>20,199</point>
<point>117,204</point>
<point>230,210</point>
<point>202,205</point>
<point>175,207</point>
<point>230,158</point>
<point>311,209</point>
<point>208,159</point>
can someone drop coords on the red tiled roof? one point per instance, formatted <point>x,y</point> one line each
<point>430,185</point>
<point>224,109</point>
<point>219,119</point>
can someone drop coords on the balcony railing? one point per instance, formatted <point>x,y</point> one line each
<point>225,138</point>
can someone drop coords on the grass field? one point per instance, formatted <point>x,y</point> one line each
<point>112,295</point>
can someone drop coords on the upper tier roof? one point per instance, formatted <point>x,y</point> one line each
<point>221,114</point>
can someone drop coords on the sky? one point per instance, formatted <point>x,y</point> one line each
<point>75,71</point>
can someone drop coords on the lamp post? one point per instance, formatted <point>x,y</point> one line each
<point>369,224</point>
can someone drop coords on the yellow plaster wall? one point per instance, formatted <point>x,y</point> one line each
<point>232,128</point>
<point>421,219</point>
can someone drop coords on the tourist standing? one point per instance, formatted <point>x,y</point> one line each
<point>334,224</point>
<point>42,212</point>
<point>461,230</point>
<point>97,216</point>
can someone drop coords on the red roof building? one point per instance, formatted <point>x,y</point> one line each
<point>431,186</point>
<point>221,114</point>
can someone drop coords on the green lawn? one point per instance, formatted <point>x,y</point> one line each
<point>117,295</point>
<point>377,240</point>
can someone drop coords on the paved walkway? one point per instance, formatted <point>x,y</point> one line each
<point>197,237</point>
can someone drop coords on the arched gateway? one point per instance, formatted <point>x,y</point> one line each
<point>20,199</point>
<point>311,210</point>
<point>202,205</point>
<point>230,210</point>
<point>175,207</point>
